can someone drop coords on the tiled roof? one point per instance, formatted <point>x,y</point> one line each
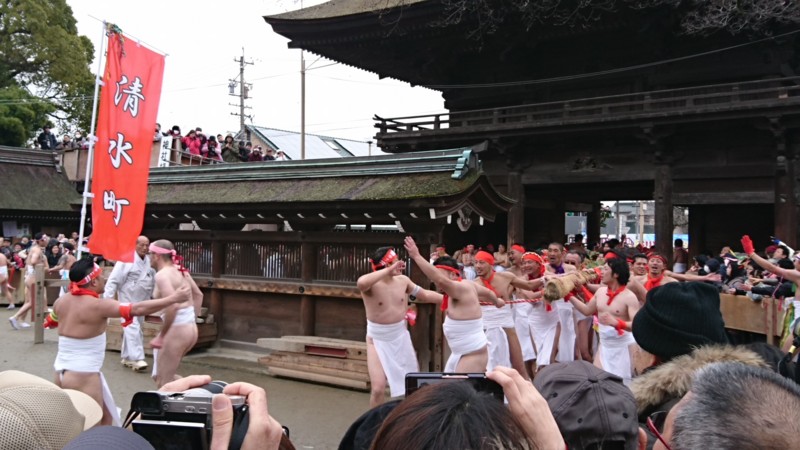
<point>29,181</point>
<point>337,8</point>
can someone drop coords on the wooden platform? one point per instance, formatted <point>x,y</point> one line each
<point>323,360</point>
<point>206,335</point>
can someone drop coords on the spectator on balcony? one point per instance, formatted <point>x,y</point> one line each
<point>46,139</point>
<point>244,150</point>
<point>280,156</point>
<point>191,143</point>
<point>230,151</point>
<point>66,143</point>
<point>257,154</point>
<point>80,141</point>
<point>269,155</point>
<point>157,135</point>
<point>210,150</point>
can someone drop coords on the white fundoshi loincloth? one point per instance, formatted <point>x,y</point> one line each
<point>184,316</point>
<point>614,352</point>
<point>86,355</point>
<point>494,320</point>
<point>395,352</point>
<point>566,341</point>
<point>463,337</point>
<point>544,325</point>
<point>523,326</point>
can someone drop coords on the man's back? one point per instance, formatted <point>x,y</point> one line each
<point>80,316</point>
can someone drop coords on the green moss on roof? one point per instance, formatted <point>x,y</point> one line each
<point>35,188</point>
<point>398,187</point>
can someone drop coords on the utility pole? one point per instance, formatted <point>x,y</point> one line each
<point>244,91</point>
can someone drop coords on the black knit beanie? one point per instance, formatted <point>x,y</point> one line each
<point>677,317</point>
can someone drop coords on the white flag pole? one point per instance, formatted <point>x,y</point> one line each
<point>93,138</point>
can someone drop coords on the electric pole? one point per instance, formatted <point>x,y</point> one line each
<point>244,91</point>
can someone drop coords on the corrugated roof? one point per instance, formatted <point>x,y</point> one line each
<point>29,181</point>
<point>337,8</point>
<point>316,147</point>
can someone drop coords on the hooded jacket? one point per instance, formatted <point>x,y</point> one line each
<point>661,387</point>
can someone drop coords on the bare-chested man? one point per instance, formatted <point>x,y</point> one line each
<point>584,333</point>
<point>542,317</point>
<point>390,354</point>
<point>178,328</point>
<point>81,317</point>
<point>566,334</point>
<point>463,323</point>
<point>499,322</point>
<point>615,306</point>
<point>521,311</point>
<point>655,276</point>
<point>35,258</point>
<point>680,257</point>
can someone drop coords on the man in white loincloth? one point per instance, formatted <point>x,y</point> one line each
<point>542,317</point>
<point>390,354</point>
<point>463,323</point>
<point>566,335</point>
<point>81,317</point>
<point>521,311</point>
<point>615,306</point>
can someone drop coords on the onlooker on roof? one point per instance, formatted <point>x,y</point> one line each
<point>257,154</point>
<point>593,408</point>
<point>46,139</point>
<point>269,155</point>
<point>66,143</point>
<point>733,407</point>
<point>230,151</point>
<point>210,150</point>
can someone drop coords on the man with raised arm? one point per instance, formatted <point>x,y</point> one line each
<point>390,354</point>
<point>463,323</point>
<point>499,322</point>
<point>81,317</point>
<point>615,306</point>
<point>179,328</point>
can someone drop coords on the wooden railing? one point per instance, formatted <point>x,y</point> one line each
<point>700,99</point>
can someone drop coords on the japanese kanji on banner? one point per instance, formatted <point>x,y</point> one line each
<point>126,120</point>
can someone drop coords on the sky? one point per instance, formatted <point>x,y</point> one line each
<point>203,37</point>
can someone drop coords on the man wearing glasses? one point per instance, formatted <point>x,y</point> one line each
<point>35,258</point>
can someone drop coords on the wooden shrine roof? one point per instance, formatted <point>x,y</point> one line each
<point>33,185</point>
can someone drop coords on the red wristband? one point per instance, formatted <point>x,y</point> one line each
<point>568,296</point>
<point>620,326</point>
<point>587,294</point>
<point>125,313</point>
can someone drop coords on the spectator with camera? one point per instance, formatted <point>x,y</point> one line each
<point>456,416</point>
<point>230,151</point>
<point>257,154</point>
<point>209,149</point>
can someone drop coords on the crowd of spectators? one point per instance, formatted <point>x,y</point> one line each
<point>214,149</point>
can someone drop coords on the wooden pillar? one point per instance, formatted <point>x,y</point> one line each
<point>593,224</point>
<point>217,268</point>
<point>39,305</point>
<point>785,200</point>
<point>308,303</point>
<point>557,222</point>
<point>516,215</point>
<point>663,214</point>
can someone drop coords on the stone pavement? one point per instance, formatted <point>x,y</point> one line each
<point>317,415</point>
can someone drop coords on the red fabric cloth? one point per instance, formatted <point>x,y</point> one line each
<point>612,294</point>
<point>653,282</point>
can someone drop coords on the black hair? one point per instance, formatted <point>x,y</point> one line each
<point>613,243</point>
<point>446,261</point>
<point>379,254</point>
<point>785,263</point>
<point>80,269</point>
<point>640,255</point>
<point>619,266</point>
<point>679,242</point>
<point>785,250</point>
<point>38,236</point>
<point>68,246</point>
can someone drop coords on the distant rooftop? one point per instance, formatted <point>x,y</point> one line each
<point>317,146</point>
<point>338,8</point>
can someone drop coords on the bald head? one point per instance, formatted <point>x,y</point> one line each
<point>142,244</point>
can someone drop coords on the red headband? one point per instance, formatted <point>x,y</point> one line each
<point>386,261</point>
<point>88,278</point>
<point>532,256</point>
<point>450,269</point>
<point>518,248</point>
<point>177,260</point>
<point>485,257</point>
<point>608,256</point>
<point>657,256</point>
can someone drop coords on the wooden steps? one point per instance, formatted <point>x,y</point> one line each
<point>323,360</point>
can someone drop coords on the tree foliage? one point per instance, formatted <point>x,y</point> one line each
<point>42,60</point>
<point>695,17</point>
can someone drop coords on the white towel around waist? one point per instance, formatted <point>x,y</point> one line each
<point>395,352</point>
<point>494,317</point>
<point>463,337</point>
<point>614,352</point>
<point>87,355</point>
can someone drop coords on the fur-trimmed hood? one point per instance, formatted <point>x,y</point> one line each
<point>673,379</point>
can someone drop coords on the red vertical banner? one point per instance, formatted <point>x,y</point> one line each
<point>126,120</point>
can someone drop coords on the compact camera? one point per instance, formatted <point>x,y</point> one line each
<point>478,381</point>
<point>182,420</point>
